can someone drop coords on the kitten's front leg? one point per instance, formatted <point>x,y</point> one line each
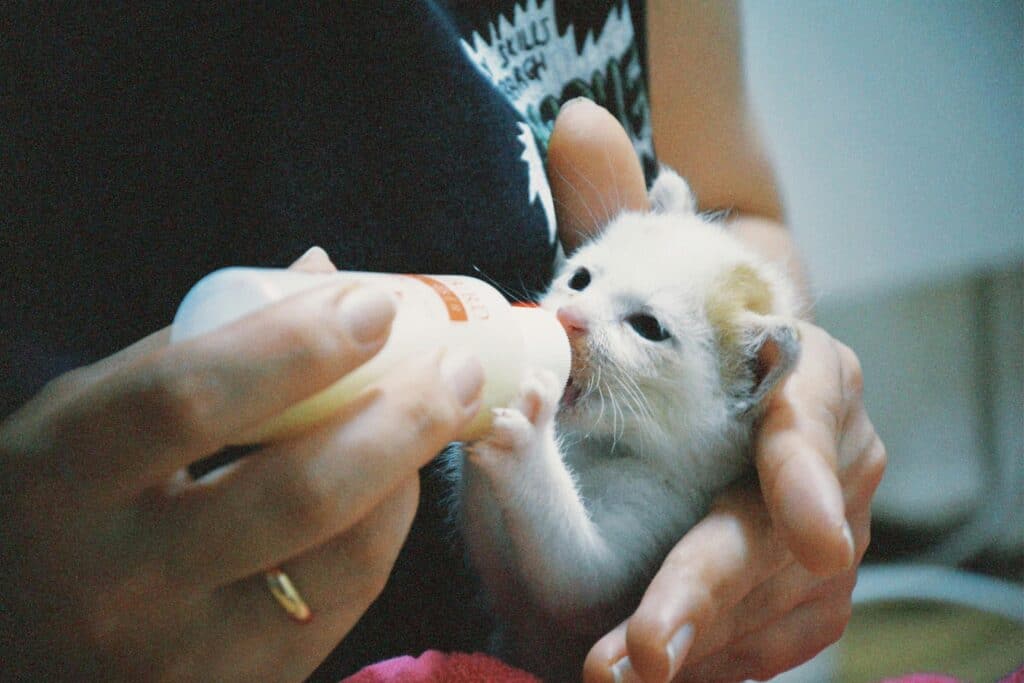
<point>557,551</point>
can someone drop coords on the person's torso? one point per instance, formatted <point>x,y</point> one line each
<point>149,147</point>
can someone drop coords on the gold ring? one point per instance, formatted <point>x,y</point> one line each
<point>288,596</point>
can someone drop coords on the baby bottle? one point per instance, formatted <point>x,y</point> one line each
<point>432,312</point>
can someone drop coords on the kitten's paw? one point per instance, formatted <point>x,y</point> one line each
<point>521,429</point>
<point>511,431</point>
<point>538,398</point>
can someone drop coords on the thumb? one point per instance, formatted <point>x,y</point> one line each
<point>593,170</point>
<point>315,260</point>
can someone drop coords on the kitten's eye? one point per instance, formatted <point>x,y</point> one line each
<point>648,327</point>
<point>580,279</point>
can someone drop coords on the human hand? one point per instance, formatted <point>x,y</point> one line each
<point>765,580</point>
<point>117,565</point>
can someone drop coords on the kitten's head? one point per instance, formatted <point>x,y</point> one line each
<point>675,327</point>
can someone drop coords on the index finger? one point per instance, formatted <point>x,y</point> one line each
<point>796,458</point>
<point>168,408</point>
<point>315,260</point>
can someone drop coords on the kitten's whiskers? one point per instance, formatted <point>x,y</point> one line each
<point>597,193</point>
<point>594,220</point>
<point>511,295</point>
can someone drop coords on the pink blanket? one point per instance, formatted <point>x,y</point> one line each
<point>436,667</point>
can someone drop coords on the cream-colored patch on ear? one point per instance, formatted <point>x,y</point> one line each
<point>734,295</point>
<point>740,290</point>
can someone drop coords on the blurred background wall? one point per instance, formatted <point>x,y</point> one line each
<point>898,133</point>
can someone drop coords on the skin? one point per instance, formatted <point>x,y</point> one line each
<point>765,581</point>
<point>143,573</point>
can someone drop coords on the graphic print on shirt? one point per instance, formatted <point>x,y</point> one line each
<point>537,70</point>
<point>539,187</point>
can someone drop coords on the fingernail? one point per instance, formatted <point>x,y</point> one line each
<point>678,647</point>
<point>464,374</point>
<point>623,672</point>
<point>573,102</point>
<point>367,314</point>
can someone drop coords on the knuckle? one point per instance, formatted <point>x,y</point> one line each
<point>429,418</point>
<point>876,461</point>
<point>302,501</point>
<point>846,585</point>
<point>834,624</point>
<point>180,404</point>
<point>312,344</point>
<point>706,597</point>
<point>309,344</point>
<point>878,457</point>
<point>852,372</point>
<point>644,631</point>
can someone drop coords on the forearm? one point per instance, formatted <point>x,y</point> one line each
<point>705,130</point>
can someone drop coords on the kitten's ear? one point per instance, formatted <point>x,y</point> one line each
<point>769,347</point>
<point>671,194</point>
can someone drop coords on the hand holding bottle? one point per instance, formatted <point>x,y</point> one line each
<point>143,573</point>
<point>433,312</point>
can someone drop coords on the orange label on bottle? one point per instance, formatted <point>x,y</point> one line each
<point>456,309</point>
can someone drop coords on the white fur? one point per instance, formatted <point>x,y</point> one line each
<point>568,510</point>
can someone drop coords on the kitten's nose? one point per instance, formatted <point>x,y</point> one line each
<point>573,320</point>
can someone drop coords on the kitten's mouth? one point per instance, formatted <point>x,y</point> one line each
<point>571,394</point>
<point>578,372</point>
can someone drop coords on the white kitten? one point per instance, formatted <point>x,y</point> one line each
<point>571,502</point>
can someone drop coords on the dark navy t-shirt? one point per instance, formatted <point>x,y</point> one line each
<point>144,148</point>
